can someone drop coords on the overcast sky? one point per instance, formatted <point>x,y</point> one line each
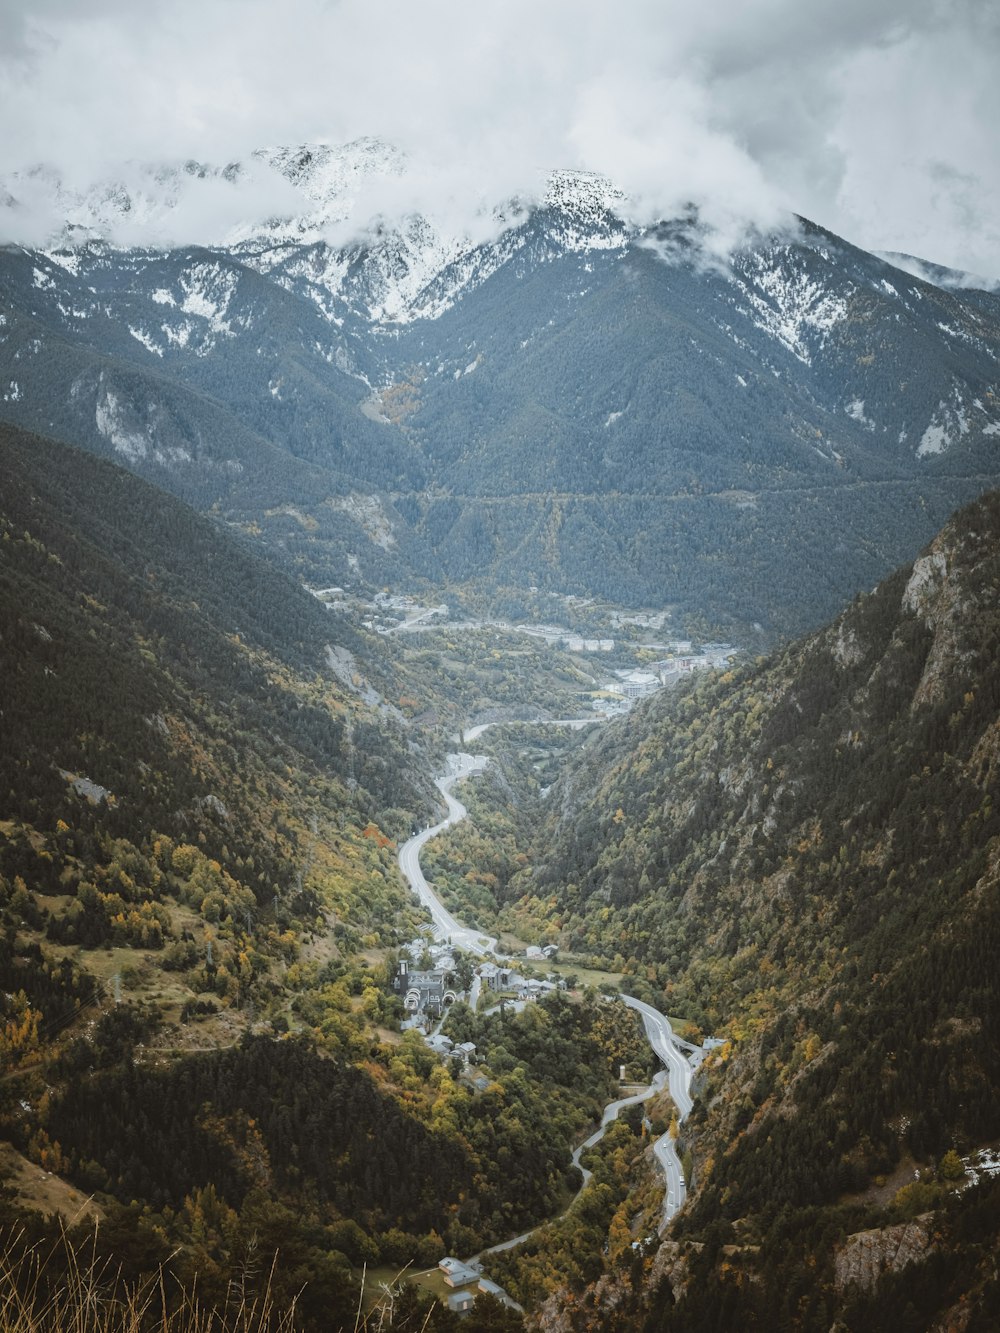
<point>878,118</point>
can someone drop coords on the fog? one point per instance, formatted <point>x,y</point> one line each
<point>875,120</point>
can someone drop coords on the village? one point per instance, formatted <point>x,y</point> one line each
<point>429,981</point>
<point>627,686</point>
<point>440,977</point>
<point>629,667</point>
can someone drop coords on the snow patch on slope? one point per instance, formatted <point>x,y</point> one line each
<point>208,290</point>
<point>856,411</point>
<point>788,302</point>
<point>945,428</point>
<point>65,259</point>
<point>112,422</point>
<point>140,335</point>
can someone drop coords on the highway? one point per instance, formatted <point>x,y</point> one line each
<point>660,1035</point>
<point>574,724</point>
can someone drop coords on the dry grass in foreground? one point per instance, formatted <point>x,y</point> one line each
<point>89,1298</point>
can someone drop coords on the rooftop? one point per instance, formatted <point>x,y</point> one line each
<point>457,1274</point>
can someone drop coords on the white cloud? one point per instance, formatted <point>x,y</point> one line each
<point>874,119</point>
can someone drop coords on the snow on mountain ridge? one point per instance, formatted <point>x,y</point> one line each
<point>385,268</point>
<point>391,269</point>
<point>787,301</point>
<point>415,267</point>
<point>937,274</point>
<point>325,173</point>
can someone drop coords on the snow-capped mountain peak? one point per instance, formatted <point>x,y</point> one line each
<point>353,200</point>
<point>325,173</point>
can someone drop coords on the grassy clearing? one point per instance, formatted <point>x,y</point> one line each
<point>42,1190</point>
<point>585,976</point>
<point>380,1282</point>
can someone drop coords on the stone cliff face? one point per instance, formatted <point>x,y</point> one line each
<point>671,1263</point>
<point>865,1256</point>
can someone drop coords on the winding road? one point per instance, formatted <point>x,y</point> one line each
<point>574,724</point>
<point>679,1072</point>
<point>448,929</point>
<point>611,1114</point>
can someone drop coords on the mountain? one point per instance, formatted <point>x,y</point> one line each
<point>565,400</point>
<point>196,861</point>
<point>802,859</point>
<point>162,679</point>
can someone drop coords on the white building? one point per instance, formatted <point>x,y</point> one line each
<point>638,684</point>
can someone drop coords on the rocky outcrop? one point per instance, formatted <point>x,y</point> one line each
<point>671,1262</point>
<point>866,1255</point>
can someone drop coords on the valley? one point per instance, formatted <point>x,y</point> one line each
<point>571,825</point>
<point>450,932</point>
<point>202,970</point>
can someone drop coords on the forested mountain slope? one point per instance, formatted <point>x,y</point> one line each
<point>182,771</point>
<point>129,616</point>
<point>576,403</point>
<point>803,856</point>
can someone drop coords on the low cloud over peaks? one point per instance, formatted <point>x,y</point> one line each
<point>877,122</point>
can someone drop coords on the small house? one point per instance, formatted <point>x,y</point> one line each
<point>457,1274</point>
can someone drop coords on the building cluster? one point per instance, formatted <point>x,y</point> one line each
<point>429,987</point>
<point>627,686</point>
<point>538,953</point>
<point>505,979</point>
<point>462,1050</point>
<point>469,1281</point>
<point>555,635</point>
